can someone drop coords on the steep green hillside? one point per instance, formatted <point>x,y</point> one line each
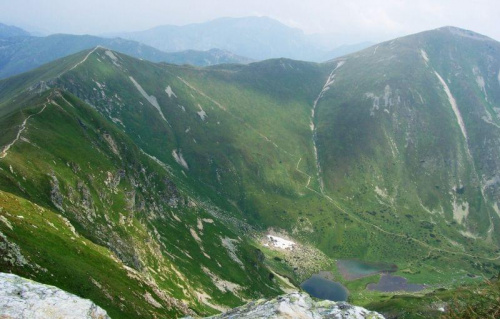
<point>92,213</point>
<point>388,155</point>
<point>402,137</point>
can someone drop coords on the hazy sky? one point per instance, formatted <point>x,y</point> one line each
<point>371,20</point>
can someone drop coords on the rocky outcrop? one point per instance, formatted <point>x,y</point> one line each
<point>22,298</point>
<point>55,192</point>
<point>300,306</point>
<point>10,252</point>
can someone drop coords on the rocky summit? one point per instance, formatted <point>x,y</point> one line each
<point>22,298</point>
<point>298,305</point>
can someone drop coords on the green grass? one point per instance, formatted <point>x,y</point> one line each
<point>391,177</point>
<point>474,300</point>
<point>140,231</point>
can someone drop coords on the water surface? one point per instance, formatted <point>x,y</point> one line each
<point>322,288</point>
<point>390,283</point>
<point>354,269</point>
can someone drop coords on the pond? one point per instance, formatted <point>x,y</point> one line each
<point>389,283</point>
<point>320,287</point>
<point>352,269</point>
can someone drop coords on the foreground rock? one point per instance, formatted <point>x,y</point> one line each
<point>298,306</point>
<point>22,298</point>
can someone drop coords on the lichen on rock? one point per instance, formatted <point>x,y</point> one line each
<point>298,305</point>
<point>23,298</point>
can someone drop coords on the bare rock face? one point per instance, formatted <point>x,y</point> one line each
<point>22,298</point>
<point>298,305</point>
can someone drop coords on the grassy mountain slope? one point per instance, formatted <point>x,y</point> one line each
<point>477,300</point>
<point>128,207</point>
<point>389,154</point>
<point>412,145</point>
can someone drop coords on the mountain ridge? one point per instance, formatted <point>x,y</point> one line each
<point>23,53</point>
<point>255,37</point>
<point>401,182</point>
<point>8,31</point>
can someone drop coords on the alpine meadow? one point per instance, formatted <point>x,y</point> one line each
<point>241,168</point>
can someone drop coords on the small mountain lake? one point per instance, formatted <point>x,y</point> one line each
<point>389,283</point>
<point>352,269</point>
<point>320,287</point>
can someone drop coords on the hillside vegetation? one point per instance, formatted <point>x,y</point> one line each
<point>152,185</point>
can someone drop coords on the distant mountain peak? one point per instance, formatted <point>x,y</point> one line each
<point>254,37</point>
<point>8,31</point>
<point>23,53</point>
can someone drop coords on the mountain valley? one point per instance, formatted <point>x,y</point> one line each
<point>155,189</point>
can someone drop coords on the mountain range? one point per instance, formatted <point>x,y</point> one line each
<point>231,40</point>
<point>152,188</point>
<point>258,38</point>
<point>23,53</point>
<point>8,31</point>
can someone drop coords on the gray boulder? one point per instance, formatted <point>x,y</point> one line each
<point>23,298</point>
<point>298,305</point>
